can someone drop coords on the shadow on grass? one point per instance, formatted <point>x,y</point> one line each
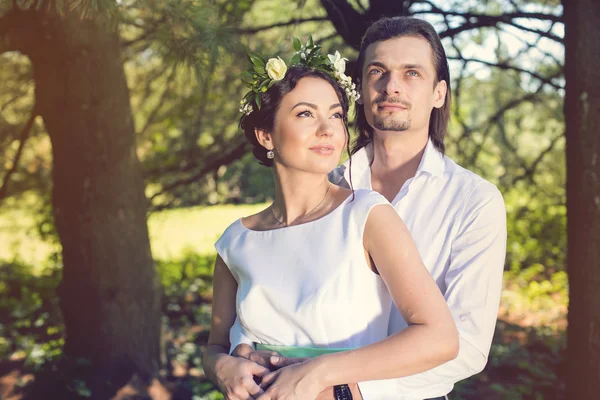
<point>524,363</point>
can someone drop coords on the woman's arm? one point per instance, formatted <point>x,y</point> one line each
<point>430,340</point>
<point>234,376</point>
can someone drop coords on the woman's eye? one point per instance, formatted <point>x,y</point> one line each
<point>338,115</point>
<point>305,114</point>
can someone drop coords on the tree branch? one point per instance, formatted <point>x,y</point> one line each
<point>281,24</point>
<point>148,32</point>
<point>505,66</point>
<point>545,34</point>
<point>473,20</point>
<point>530,172</point>
<point>163,96</point>
<point>467,26</point>
<point>534,46</point>
<point>348,22</point>
<point>500,17</point>
<point>22,138</point>
<point>18,30</point>
<point>211,165</point>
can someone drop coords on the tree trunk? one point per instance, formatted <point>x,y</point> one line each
<point>109,294</point>
<point>351,25</point>
<point>582,114</point>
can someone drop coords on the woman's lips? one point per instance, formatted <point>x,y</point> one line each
<point>323,149</point>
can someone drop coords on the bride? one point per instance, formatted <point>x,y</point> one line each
<point>316,272</point>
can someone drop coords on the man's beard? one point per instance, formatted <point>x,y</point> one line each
<point>388,123</point>
<point>391,124</point>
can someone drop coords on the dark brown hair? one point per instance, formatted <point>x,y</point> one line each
<point>389,28</point>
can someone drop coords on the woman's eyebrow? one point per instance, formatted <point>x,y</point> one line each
<point>314,106</point>
<point>303,103</point>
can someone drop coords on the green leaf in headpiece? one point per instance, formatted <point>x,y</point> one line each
<point>295,59</point>
<point>310,41</point>
<point>256,61</point>
<point>252,54</point>
<point>257,99</point>
<point>297,45</point>
<point>247,77</point>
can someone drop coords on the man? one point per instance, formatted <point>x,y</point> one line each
<point>456,218</point>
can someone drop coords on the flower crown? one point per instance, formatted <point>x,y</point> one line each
<point>264,73</point>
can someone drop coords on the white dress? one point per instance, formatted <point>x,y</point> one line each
<point>309,285</point>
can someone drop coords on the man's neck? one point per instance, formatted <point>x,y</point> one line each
<point>396,158</point>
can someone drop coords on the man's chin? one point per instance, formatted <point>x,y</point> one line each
<point>395,126</point>
<point>391,124</point>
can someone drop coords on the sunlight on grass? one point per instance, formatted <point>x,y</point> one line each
<point>193,229</point>
<point>19,236</point>
<point>172,232</point>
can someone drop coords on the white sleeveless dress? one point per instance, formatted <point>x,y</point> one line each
<point>309,285</point>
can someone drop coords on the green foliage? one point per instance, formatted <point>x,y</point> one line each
<point>31,326</point>
<point>182,62</point>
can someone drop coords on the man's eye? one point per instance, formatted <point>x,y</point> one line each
<point>375,72</point>
<point>413,73</point>
<point>304,114</point>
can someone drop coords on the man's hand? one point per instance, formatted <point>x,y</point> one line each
<point>266,358</point>
<point>235,377</point>
<point>327,393</point>
<point>294,382</point>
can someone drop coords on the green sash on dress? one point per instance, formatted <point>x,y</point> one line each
<point>296,352</point>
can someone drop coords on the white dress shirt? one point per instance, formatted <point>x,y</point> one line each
<point>458,222</point>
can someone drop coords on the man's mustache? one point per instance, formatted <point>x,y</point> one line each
<point>393,100</point>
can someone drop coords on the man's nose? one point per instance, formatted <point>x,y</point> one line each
<point>392,83</point>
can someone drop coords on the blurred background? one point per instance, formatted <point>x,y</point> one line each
<point>85,86</point>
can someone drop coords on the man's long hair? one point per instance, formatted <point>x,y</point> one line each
<point>389,28</point>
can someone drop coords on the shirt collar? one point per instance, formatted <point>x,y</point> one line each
<point>432,162</point>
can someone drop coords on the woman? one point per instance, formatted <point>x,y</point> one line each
<point>321,266</point>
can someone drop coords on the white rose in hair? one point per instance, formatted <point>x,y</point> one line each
<point>339,63</point>
<point>276,68</point>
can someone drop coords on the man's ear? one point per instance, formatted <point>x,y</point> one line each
<point>264,138</point>
<point>440,94</point>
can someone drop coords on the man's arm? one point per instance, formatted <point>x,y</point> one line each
<point>473,286</point>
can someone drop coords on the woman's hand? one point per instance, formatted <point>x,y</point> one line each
<point>235,377</point>
<point>266,358</point>
<point>297,381</point>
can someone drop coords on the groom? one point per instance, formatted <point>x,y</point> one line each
<point>456,218</point>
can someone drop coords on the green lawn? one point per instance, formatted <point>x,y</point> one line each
<point>196,229</point>
<point>172,232</point>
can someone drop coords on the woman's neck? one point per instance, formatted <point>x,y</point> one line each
<point>298,194</point>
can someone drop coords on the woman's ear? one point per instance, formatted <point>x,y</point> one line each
<point>264,138</point>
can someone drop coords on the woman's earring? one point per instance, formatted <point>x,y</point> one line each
<point>270,155</point>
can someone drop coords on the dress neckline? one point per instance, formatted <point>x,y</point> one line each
<point>339,206</point>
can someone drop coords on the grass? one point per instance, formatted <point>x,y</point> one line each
<point>172,232</point>
<point>526,360</point>
<point>175,232</point>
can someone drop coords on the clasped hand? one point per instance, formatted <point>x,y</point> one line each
<point>279,377</point>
